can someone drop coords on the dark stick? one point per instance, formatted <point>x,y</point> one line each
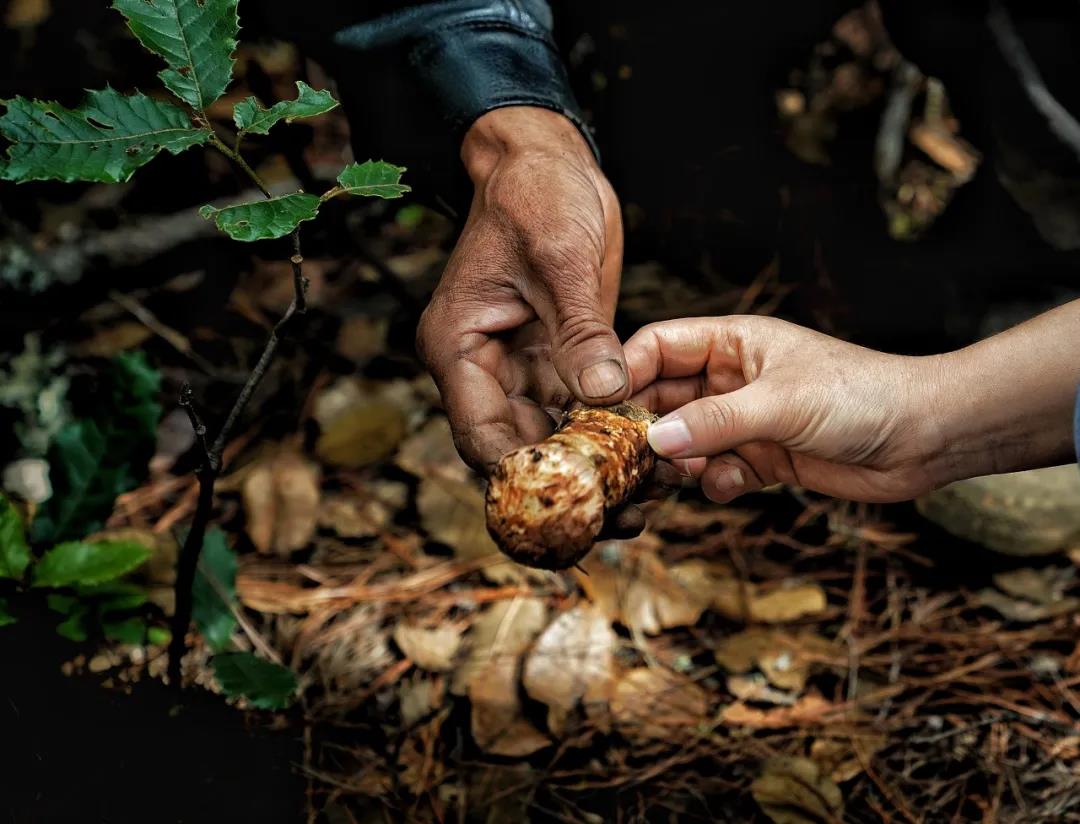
<point>208,472</point>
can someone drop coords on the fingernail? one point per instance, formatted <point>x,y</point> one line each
<point>670,435</point>
<point>729,479</point>
<point>602,379</point>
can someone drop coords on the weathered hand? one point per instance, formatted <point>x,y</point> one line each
<point>521,319</point>
<point>755,401</point>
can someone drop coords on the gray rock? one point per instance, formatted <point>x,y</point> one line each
<point>1021,513</point>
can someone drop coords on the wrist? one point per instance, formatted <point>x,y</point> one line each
<point>514,131</point>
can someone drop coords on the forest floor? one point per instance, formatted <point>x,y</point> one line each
<point>789,658</point>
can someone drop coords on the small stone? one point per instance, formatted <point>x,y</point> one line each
<point>1020,513</point>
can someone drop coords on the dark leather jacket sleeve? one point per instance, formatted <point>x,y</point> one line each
<point>414,76</point>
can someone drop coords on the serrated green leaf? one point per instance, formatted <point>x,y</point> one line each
<point>250,115</point>
<point>126,631</point>
<point>6,617</point>
<point>93,460</point>
<point>14,551</point>
<point>105,139</point>
<point>372,178</point>
<point>196,38</point>
<point>264,219</point>
<point>265,685</point>
<point>79,562</point>
<point>74,626</point>
<point>214,591</point>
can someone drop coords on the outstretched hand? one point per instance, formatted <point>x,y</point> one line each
<point>753,401</point>
<point>520,322</point>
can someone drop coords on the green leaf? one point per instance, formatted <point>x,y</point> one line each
<point>105,139</point>
<point>214,591</point>
<point>265,685</point>
<point>158,635</point>
<point>196,38</point>
<point>14,551</point>
<point>64,604</point>
<point>126,631</point>
<point>5,616</point>
<point>250,115</point>
<point>79,562</point>
<point>264,219</point>
<point>93,460</point>
<point>121,603</point>
<point>372,178</point>
<point>74,627</point>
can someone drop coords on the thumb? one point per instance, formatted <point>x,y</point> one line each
<point>585,350</point>
<point>718,423</point>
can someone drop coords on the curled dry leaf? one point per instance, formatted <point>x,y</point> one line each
<point>810,709</point>
<point>430,649</point>
<point>650,703</point>
<point>572,662</point>
<point>793,790</point>
<point>489,676</point>
<point>281,502</point>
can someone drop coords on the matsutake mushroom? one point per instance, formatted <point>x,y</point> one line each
<point>546,503</point>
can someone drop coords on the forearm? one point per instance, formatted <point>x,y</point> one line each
<point>1006,403</point>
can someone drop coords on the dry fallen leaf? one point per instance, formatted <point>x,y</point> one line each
<point>1024,611</point>
<point>113,339</point>
<point>419,696</point>
<point>490,677</point>
<point>365,512</point>
<point>452,512</point>
<point>691,520</point>
<point>572,662</point>
<point>650,703</point>
<point>755,687</point>
<point>431,451</point>
<point>1041,586</point>
<point>785,660</point>
<point>838,756</point>
<point>362,435</point>
<point>361,337</point>
<point>430,649</point>
<point>793,790</point>
<point>810,709</point>
<point>281,502</point>
<point>630,585</point>
<point>783,605</point>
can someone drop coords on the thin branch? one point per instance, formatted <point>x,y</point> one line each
<point>212,455</point>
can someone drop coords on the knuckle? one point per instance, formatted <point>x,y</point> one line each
<point>716,419</point>
<point>578,325</point>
